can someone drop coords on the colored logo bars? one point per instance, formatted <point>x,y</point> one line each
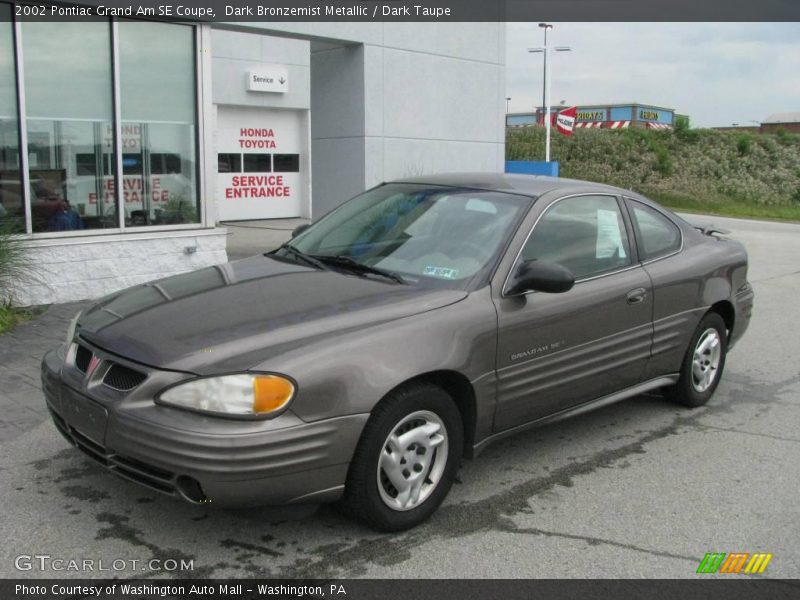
<point>720,562</point>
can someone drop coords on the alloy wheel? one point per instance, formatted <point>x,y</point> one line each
<point>412,460</point>
<point>706,359</point>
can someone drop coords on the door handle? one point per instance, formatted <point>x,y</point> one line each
<point>636,296</point>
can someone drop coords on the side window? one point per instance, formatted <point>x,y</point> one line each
<point>585,234</point>
<point>658,235</point>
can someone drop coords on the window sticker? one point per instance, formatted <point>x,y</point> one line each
<point>443,272</point>
<point>609,238</point>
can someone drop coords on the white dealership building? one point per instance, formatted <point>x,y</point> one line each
<point>124,144</point>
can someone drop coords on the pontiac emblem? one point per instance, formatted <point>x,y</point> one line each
<point>92,366</point>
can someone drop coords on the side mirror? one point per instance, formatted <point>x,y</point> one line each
<point>300,229</point>
<point>541,276</point>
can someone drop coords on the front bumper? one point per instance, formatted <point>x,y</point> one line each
<point>203,459</point>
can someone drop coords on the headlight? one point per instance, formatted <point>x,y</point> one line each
<point>71,329</point>
<point>243,395</point>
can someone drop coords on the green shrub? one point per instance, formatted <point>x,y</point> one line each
<point>743,144</point>
<point>664,164</point>
<point>681,124</point>
<point>683,131</point>
<point>659,164</point>
<point>14,263</point>
<point>10,316</point>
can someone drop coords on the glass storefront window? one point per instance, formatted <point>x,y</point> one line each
<point>12,208</point>
<point>69,123</point>
<point>159,115</point>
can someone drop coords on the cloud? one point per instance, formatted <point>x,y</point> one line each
<point>717,73</point>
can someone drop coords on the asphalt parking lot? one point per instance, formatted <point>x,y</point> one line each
<point>638,489</point>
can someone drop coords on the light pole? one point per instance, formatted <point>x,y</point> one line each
<point>546,85</point>
<point>508,99</point>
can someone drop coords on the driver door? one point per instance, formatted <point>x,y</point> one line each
<point>556,351</point>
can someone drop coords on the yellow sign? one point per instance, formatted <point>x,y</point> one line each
<point>597,115</point>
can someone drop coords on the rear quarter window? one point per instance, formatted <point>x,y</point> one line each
<point>657,235</point>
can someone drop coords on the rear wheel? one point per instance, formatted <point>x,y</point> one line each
<point>703,363</point>
<point>406,460</point>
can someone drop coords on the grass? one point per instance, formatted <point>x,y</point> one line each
<point>10,317</point>
<point>693,170</point>
<point>15,267</point>
<point>731,208</point>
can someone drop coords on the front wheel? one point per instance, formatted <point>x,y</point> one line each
<point>406,460</point>
<point>703,363</point>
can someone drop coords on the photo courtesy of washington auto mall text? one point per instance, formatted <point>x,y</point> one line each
<point>137,590</point>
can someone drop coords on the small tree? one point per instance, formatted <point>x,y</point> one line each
<point>681,124</point>
<point>683,130</point>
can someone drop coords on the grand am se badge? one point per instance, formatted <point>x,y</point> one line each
<point>547,348</point>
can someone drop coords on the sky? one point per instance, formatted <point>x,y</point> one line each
<point>717,73</point>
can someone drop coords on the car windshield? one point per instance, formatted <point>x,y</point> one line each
<point>430,235</point>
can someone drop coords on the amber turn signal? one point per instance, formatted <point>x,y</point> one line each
<point>271,393</point>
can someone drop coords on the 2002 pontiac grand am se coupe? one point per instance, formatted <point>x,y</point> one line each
<point>409,327</point>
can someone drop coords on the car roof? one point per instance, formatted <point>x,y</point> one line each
<point>528,185</point>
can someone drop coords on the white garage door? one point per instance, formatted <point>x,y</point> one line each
<point>262,162</point>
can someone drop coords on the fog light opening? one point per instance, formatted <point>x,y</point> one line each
<point>190,489</point>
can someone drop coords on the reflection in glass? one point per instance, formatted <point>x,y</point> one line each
<point>257,163</point>
<point>12,211</point>
<point>430,235</point>
<point>287,163</point>
<point>158,106</point>
<point>229,163</point>
<point>68,91</point>
<point>585,234</point>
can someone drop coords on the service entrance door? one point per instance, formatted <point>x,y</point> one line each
<point>262,157</point>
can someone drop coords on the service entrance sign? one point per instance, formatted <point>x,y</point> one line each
<point>262,170</point>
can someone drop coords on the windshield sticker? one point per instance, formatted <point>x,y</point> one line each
<point>609,239</point>
<point>443,272</point>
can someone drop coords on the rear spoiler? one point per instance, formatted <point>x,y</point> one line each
<point>712,230</point>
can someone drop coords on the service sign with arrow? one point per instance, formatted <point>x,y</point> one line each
<point>273,79</point>
<point>565,120</point>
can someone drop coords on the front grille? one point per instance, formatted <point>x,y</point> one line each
<point>82,358</point>
<point>129,468</point>
<point>122,378</point>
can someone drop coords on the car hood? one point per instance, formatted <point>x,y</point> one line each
<point>236,315</point>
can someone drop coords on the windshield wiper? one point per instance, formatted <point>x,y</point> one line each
<point>357,267</point>
<point>306,258</point>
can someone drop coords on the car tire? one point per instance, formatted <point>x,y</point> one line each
<point>414,438</point>
<point>703,363</point>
